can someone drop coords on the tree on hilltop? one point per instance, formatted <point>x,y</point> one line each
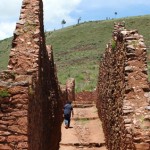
<point>79,19</point>
<point>63,22</point>
<point>115,14</point>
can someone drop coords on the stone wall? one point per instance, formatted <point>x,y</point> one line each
<point>31,107</point>
<point>13,110</point>
<point>89,96</point>
<point>123,92</point>
<point>70,89</point>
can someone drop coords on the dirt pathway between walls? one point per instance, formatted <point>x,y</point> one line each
<point>85,132</point>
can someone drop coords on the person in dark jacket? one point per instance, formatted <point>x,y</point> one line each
<point>68,111</point>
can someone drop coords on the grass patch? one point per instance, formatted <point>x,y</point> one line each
<point>113,44</point>
<point>5,46</point>
<point>4,93</point>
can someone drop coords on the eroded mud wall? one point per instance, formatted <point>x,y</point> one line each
<point>31,109</point>
<point>123,92</point>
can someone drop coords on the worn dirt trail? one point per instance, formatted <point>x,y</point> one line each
<point>85,132</point>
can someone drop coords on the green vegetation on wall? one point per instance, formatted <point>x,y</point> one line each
<point>4,93</point>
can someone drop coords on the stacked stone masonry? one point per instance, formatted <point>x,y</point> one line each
<point>70,87</point>
<point>13,110</point>
<point>30,102</point>
<point>123,91</point>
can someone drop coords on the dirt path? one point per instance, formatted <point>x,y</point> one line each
<point>85,132</point>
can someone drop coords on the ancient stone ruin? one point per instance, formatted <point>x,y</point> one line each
<point>123,92</point>
<point>30,98</point>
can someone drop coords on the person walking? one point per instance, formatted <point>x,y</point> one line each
<point>68,111</point>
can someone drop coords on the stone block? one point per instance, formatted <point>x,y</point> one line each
<point>5,147</point>
<point>142,146</point>
<point>2,139</point>
<point>16,138</point>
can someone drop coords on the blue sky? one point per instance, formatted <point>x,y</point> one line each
<point>71,10</point>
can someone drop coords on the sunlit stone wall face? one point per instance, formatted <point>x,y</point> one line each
<point>123,91</point>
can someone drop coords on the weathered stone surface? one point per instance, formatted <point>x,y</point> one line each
<point>2,139</point>
<point>147,117</point>
<point>147,107</point>
<point>70,87</point>
<point>4,133</point>
<point>14,138</point>
<point>142,146</point>
<point>22,145</point>
<point>123,92</point>
<point>31,111</point>
<point>17,90</point>
<point>129,68</point>
<point>137,139</point>
<point>10,122</point>
<point>127,121</point>
<point>5,147</point>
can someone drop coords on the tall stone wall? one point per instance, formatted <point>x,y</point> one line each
<point>31,107</point>
<point>123,92</point>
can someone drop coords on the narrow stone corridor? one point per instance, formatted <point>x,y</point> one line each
<point>32,98</point>
<point>86,130</point>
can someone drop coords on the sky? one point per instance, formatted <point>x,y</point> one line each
<point>70,10</point>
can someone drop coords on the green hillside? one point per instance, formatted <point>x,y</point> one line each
<point>5,46</point>
<point>78,49</point>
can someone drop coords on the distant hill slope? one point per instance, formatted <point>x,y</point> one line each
<point>5,46</point>
<point>78,48</point>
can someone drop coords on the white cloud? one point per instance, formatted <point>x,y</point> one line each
<point>6,29</point>
<point>10,9</point>
<point>9,14</point>
<point>2,35</point>
<point>56,10</point>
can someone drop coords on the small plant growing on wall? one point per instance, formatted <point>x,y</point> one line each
<point>31,91</point>
<point>113,44</point>
<point>4,93</point>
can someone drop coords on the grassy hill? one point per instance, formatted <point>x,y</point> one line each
<point>78,48</point>
<point>5,46</point>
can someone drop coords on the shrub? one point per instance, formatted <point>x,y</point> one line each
<point>4,93</point>
<point>113,44</point>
